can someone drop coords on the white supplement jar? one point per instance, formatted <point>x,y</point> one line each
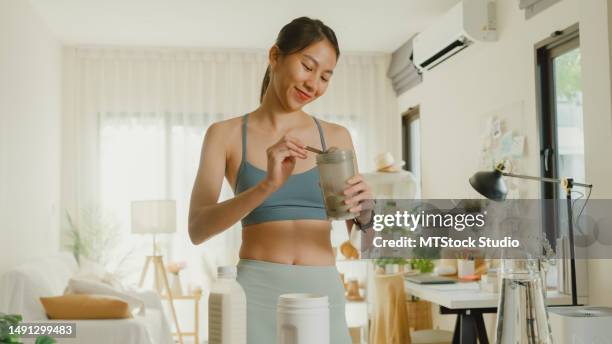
<point>302,319</point>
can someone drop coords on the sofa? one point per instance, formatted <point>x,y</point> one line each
<point>21,288</point>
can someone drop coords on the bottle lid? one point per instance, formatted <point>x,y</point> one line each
<point>227,271</point>
<point>303,301</point>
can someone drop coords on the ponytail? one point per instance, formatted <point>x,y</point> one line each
<point>264,84</point>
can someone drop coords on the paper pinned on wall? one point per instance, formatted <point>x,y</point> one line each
<point>495,126</point>
<point>518,146</point>
<point>502,136</point>
<point>505,145</point>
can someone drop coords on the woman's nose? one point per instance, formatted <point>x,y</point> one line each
<point>310,84</point>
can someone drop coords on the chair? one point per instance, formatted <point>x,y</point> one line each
<point>391,322</point>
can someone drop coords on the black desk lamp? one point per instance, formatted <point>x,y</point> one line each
<point>491,185</point>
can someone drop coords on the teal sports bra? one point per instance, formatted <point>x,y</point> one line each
<point>299,198</point>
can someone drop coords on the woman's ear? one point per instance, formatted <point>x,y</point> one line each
<point>273,56</point>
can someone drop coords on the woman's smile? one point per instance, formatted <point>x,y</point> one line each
<point>302,96</point>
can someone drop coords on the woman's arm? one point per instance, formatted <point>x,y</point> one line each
<point>207,217</point>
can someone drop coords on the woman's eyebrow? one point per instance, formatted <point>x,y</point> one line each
<point>317,63</point>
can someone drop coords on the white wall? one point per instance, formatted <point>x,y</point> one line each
<point>30,122</point>
<point>455,97</point>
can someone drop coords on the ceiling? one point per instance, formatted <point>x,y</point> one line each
<point>361,25</point>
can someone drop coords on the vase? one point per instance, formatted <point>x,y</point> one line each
<point>177,289</point>
<point>522,316</point>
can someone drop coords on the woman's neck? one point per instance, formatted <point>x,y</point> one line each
<point>274,116</point>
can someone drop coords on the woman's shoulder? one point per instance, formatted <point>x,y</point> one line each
<point>333,128</point>
<point>337,135</point>
<point>224,133</point>
<point>226,126</point>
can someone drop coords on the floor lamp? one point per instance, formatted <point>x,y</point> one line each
<point>156,217</point>
<point>491,185</point>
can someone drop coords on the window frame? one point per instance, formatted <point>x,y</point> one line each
<point>408,116</point>
<point>559,43</point>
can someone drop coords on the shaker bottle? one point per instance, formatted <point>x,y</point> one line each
<point>335,168</point>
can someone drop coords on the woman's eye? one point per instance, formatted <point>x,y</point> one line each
<point>307,68</point>
<point>326,80</point>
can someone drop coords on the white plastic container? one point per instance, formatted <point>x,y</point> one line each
<point>465,267</point>
<point>227,309</point>
<point>581,324</point>
<point>302,319</point>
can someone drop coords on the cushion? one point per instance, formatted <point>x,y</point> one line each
<point>85,286</point>
<point>76,307</point>
<point>91,270</point>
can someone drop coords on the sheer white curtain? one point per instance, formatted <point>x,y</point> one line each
<point>135,119</point>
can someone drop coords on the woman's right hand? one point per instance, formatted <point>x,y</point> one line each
<point>281,159</point>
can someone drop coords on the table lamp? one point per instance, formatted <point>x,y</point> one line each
<point>491,185</point>
<point>156,217</point>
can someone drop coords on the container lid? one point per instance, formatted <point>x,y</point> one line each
<point>582,311</point>
<point>226,271</point>
<point>335,156</point>
<point>303,301</point>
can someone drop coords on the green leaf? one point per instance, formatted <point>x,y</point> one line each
<point>45,340</point>
<point>7,320</point>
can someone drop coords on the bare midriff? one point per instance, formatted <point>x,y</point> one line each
<point>294,242</point>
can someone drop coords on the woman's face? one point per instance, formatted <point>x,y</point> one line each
<point>302,77</point>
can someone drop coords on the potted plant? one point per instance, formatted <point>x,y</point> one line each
<point>393,264</point>
<point>424,265</point>
<point>9,330</point>
<point>96,236</point>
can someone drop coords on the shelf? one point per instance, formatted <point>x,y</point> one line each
<point>364,301</point>
<point>182,297</point>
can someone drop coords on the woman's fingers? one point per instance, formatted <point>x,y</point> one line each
<point>294,147</point>
<point>286,151</point>
<point>358,194</point>
<point>292,143</point>
<point>291,139</point>
<point>356,209</point>
<point>355,179</point>
<point>294,140</point>
<point>359,198</point>
<point>283,150</point>
<point>355,188</point>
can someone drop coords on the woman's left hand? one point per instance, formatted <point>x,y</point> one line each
<point>358,195</point>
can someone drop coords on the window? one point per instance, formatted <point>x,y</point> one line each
<point>411,144</point>
<point>560,111</point>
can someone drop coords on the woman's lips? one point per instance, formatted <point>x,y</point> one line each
<point>302,96</point>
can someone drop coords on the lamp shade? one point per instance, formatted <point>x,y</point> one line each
<point>153,217</point>
<point>490,184</point>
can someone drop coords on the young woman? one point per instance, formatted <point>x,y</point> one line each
<point>286,244</point>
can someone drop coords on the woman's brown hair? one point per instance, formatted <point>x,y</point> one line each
<point>297,35</point>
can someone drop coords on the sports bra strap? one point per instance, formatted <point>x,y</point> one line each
<point>320,134</point>
<point>244,134</point>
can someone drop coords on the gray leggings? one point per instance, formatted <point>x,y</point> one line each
<point>263,282</point>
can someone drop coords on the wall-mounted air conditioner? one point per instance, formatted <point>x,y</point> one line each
<point>468,22</point>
